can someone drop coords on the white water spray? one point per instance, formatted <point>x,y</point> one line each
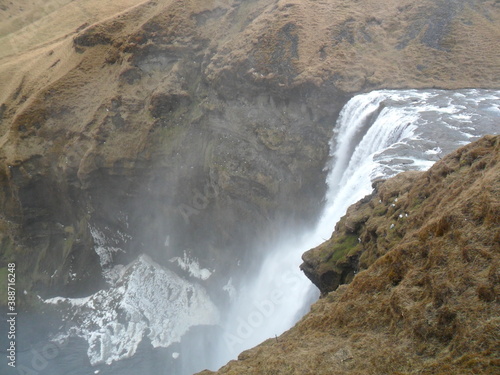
<point>378,135</point>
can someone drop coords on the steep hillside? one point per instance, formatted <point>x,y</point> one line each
<point>158,126</point>
<point>425,299</point>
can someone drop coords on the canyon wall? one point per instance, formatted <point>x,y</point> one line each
<point>423,257</point>
<point>160,127</point>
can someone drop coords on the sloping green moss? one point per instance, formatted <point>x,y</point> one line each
<point>345,246</point>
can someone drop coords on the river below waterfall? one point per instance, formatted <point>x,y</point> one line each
<point>152,321</point>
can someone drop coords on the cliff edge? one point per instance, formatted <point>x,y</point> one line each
<point>423,253</point>
<point>140,126</point>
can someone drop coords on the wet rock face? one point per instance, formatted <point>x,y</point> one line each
<point>427,297</point>
<point>190,125</point>
<point>143,146</point>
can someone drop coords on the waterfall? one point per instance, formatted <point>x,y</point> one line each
<point>377,135</point>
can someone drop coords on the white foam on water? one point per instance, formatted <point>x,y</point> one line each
<point>146,301</point>
<point>377,135</point>
<point>187,263</point>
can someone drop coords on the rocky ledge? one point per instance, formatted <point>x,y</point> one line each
<point>423,253</point>
<point>160,126</point>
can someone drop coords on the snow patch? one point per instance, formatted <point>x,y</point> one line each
<point>146,300</point>
<point>230,289</point>
<point>192,266</point>
<point>434,151</point>
<point>102,247</point>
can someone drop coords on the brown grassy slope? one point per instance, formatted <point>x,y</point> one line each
<point>430,305</point>
<point>358,45</point>
<point>371,228</point>
<point>276,45</point>
<point>32,24</point>
<point>94,89</point>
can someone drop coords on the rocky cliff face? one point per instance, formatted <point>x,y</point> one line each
<point>425,249</point>
<point>160,126</point>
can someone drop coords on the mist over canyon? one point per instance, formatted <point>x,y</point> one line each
<point>164,164</point>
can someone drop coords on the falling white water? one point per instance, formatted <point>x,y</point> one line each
<point>377,135</point>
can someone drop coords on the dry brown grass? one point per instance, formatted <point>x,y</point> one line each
<point>71,59</point>
<point>429,305</point>
<point>54,88</point>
